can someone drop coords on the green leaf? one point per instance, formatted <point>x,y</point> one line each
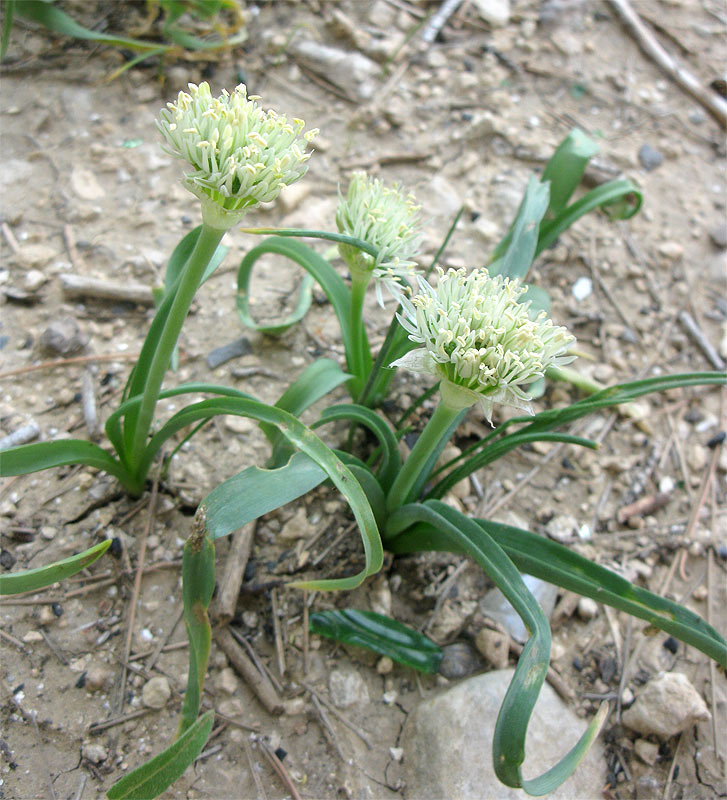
<point>557,417</point>
<point>380,634</point>
<point>620,199</point>
<point>391,458</point>
<point>306,441</point>
<point>314,383</point>
<point>515,253</point>
<point>151,779</point>
<point>198,583</point>
<point>56,20</point>
<point>7,26</point>
<point>37,456</point>
<point>33,579</point>
<point>460,534</point>
<point>566,167</point>
<point>255,491</point>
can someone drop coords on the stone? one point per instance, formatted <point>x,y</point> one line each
<point>156,692</point>
<point>86,185</point>
<point>226,681</point>
<point>35,256</point>
<point>441,198</point>
<point>650,158</point>
<point>494,646</point>
<point>671,251</point>
<point>587,608</point>
<point>98,678</point>
<point>562,527</point>
<point>95,753</point>
<point>33,637</point>
<point>496,607</point>
<point>347,688</point>
<point>448,743</point>
<point>647,751</point>
<point>33,280</point>
<point>353,72</point>
<point>494,12</point>
<point>62,337</point>
<point>718,235</point>
<point>459,660</point>
<point>384,665</point>
<point>582,288</point>
<point>297,527</point>
<point>666,706</point>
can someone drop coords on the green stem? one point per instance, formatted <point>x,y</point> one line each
<point>199,258</point>
<point>358,357</point>
<point>430,437</point>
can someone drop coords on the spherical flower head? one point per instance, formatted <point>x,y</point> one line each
<point>385,218</point>
<point>479,340</point>
<point>240,155</point>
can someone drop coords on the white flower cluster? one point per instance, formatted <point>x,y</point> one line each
<point>240,154</point>
<point>383,217</point>
<point>479,340</point>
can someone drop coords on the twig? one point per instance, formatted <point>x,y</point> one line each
<point>225,604</point>
<point>81,786</point>
<point>691,327</point>
<point>22,435</point>
<point>26,650</point>
<point>328,728</point>
<point>70,240</point>
<point>137,590</point>
<point>258,682</point>
<point>66,362</point>
<point>360,733</point>
<point>10,238</point>
<point>277,765</point>
<point>260,665</point>
<point>253,771</point>
<point>672,768</point>
<point>624,662</point>
<point>161,646</point>
<point>443,593</point>
<point>100,727</point>
<point>54,648</point>
<point>716,106</point>
<point>279,649</point>
<point>88,404</point>
<point>85,286</point>
<point>438,20</point>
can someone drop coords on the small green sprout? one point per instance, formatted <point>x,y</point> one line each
<point>479,340</point>
<point>240,154</point>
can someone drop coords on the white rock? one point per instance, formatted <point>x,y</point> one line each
<point>352,72</point>
<point>448,744</point>
<point>647,751</point>
<point>95,753</point>
<point>85,184</point>
<point>496,12</point>
<point>587,608</point>
<point>582,288</point>
<point>156,692</point>
<point>667,705</point>
<point>496,606</point>
<point>562,527</point>
<point>226,681</point>
<point>347,688</point>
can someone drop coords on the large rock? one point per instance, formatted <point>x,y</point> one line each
<point>448,744</point>
<point>667,705</point>
<point>350,71</point>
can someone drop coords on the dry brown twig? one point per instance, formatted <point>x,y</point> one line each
<point>223,609</point>
<point>716,106</point>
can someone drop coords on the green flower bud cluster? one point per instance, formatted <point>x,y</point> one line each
<point>383,217</point>
<point>240,154</point>
<point>479,340</point>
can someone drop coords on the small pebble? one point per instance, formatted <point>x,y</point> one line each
<point>459,660</point>
<point>718,235</point>
<point>582,288</point>
<point>650,158</point>
<point>95,753</point>
<point>156,692</point>
<point>384,666</point>
<point>46,615</point>
<point>587,608</point>
<point>32,637</point>
<point>226,681</point>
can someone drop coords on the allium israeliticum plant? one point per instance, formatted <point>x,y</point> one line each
<point>479,342</point>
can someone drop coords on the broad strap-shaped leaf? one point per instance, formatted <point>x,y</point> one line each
<point>255,491</point>
<point>27,458</point>
<point>198,583</point>
<point>479,454</point>
<point>8,14</point>
<point>31,580</point>
<point>381,634</point>
<point>508,749</point>
<point>620,199</point>
<point>566,167</point>
<point>315,382</point>
<point>514,255</point>
<point>151,779</point>
<point>306,441</point>
<point>390,456</point>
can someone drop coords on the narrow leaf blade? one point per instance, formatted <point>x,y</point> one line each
<point>33,579</point>
<point>381,634</point>
<point>151,779</point>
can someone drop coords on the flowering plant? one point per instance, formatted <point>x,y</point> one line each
<point>480,343</point>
